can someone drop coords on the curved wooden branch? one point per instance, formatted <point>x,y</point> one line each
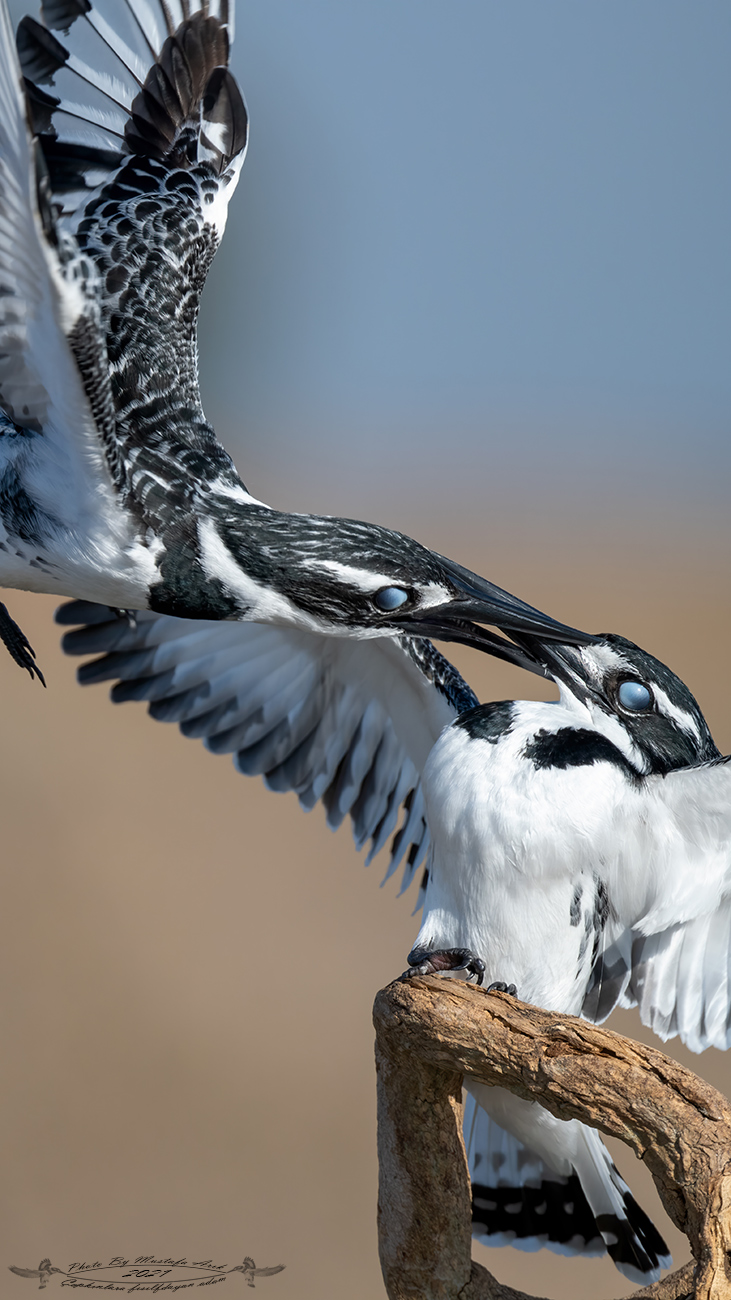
<point>431,1031</point>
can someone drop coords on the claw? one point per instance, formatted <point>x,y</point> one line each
<point>499,986</point>
<point>18,645</point>
<point>423,962</point>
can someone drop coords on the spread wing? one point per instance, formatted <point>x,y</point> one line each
<point>670,954</point>
<point>119,151</point>
<point>143,131</point>
<point>341,721</point>
<point>48,316</point>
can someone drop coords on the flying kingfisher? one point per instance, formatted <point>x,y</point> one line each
<point>120,149</point>
<point>576,851</point>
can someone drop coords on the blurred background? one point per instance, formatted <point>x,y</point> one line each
<point>475,285</point>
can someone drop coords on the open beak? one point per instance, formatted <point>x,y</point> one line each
<point>562,662</point>
<point>479,601</point>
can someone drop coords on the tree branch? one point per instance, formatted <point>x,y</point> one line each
<point>431,1031</point>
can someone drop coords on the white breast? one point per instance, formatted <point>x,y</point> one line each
<point>518,854</point>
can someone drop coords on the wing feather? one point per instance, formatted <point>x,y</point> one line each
<point>143,141</point>
<point>37,372</point>
<point>343,722</point>
<point>672,894</point>
<point>48,318</point>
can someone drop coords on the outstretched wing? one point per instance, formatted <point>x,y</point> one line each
<point>144,131</point>
<point>670,954</point>
<point>342,721</point>
<point>58,465</point>
<point>44,298</point>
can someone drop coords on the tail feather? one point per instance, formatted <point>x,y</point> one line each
<point>631,1239</point>
<point>518,1200</point>
<point>554,1214</point>
<point>540,1182</point>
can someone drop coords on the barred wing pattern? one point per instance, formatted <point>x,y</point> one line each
<point>144,131</point>
<point>340,721</point>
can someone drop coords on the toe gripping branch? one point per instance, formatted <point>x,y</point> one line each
<point>18,645</point>
<point>423,962</point>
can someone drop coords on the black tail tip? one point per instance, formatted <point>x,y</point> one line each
<point>634,1244</point>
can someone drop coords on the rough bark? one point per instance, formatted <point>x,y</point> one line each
<point>430,1032</point>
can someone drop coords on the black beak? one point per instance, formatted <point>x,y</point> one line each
<point>561,662</point>
<point>479,601</point>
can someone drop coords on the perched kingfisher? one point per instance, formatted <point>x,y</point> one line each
<point>120,148</point>
<point>577,851</point>
<point>581,857</point>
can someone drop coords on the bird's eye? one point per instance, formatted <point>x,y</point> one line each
<point>390,598</point>
<point>635,697</point>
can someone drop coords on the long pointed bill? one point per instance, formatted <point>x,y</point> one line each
<point>479,601</point>
<point>479,638</point>
<point>561,662</point>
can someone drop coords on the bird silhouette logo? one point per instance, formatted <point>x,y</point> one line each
<point>250,1271</point>
<point>44,1271</point>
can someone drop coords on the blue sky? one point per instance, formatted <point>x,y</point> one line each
<point>506,224</point>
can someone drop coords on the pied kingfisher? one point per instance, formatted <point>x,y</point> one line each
<point>115,179</point>
<point>578,850</point>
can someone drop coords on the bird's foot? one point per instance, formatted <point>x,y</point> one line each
<point>499,986</point>
<point>18,645</point>
<point>423,962</point>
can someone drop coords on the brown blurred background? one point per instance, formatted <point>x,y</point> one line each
<point>189,962</point>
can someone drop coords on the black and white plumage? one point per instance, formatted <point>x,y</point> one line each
<point>343,721</point>
<point>580,849</point>
<point>611,810</point>
<point>113,486</point>
<point>100,286</point>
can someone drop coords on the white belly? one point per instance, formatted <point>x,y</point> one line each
<point>515,874</point>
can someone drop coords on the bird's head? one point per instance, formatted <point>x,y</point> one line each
<point>346,578</point>
<point>631,698</point>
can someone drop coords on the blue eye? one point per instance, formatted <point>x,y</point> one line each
<point>390,598</point>
<point>635,697</point>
